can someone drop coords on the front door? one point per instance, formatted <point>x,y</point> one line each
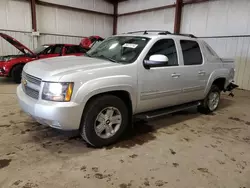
<point>160,87</point>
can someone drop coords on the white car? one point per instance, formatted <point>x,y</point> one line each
<point>140,74</point>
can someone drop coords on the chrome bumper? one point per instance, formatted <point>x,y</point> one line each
<point>59,115</point>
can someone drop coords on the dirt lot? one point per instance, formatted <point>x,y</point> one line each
<point>186,149</point>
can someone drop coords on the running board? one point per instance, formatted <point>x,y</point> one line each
<point>166,111</point>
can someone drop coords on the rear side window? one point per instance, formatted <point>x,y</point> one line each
<point>191,52</point>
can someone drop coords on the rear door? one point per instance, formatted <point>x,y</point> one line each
<point>194,75</point>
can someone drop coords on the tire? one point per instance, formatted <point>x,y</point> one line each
<point>206,107</point>
<point>95,111</point>
<point>16,73</point>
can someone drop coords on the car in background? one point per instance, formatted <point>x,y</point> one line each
<point>12,65</point>
<point>89,42</point>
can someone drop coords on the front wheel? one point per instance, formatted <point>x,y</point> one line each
<point>16,73</point>
<point>212,100</point>
<point>104,120</point>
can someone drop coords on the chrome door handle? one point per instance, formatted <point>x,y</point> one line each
<point>201,72</point>
<point>175,75</point>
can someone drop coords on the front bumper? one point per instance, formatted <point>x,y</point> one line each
<point>59,115</point>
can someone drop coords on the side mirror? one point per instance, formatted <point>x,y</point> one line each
<point>156,61</point>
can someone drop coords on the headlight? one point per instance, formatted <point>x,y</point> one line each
<point>60,92</point>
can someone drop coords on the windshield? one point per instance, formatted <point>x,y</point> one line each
<point>121,49</point>
<point>40,49</point>
<point>95,44</point>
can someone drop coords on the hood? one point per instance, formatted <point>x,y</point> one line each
<point>60,66</point>
<point>9,57</point>
<point>16,43</point>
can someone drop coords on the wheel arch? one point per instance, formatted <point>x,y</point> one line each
<point>220,83</point>
<point>217,80</point>
<point>18,64</point>
<point>92,110</point>
<point>124,95</point>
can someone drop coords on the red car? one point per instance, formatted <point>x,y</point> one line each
<point>87,43</point>
<point>12,65</point>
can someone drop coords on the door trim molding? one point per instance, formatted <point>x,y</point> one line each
<point>158,94</point>
<point>195,88</point>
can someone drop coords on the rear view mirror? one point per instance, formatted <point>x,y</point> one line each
<point>157,60</point>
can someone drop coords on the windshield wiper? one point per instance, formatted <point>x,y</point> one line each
<point>106,58</point>
<point>86,54</point>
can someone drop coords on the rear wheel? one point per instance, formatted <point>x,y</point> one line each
<point>104,120</point>
<point>212,100</point>
<point>16,73</point>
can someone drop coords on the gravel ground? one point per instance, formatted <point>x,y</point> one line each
<point>184,149</point>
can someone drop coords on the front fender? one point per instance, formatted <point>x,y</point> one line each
<point>16,61</point>
<point>104,85</point>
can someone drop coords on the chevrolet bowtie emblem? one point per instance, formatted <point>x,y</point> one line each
<point>24,82</point>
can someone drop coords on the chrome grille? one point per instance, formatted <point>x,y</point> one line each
<point>31,85</point>
<point>32,79</point>
<point>31,92</point>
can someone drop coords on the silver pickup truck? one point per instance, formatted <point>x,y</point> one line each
<point>143,75</point>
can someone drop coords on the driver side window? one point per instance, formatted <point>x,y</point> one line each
<point>53,50</point>
<point>165,47</point>
<point>48,50</point>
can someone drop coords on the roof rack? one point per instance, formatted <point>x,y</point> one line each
<point>161,32</point>
<point>186,35</point>
<point>145,32</point>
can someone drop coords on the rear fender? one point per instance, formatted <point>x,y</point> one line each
<point>220,73</point>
